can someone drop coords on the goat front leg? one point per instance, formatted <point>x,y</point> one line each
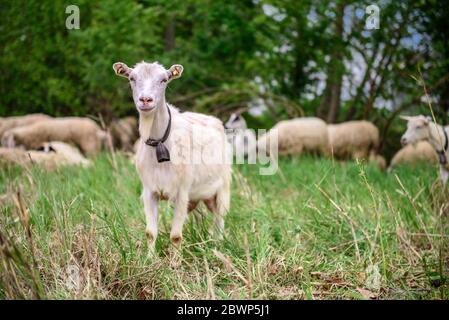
<point>179,217</point>
<point>150,203</point>
<point>444,174</point>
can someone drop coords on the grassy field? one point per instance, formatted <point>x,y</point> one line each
<point>317,230</point>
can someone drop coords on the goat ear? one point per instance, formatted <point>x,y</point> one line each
<point>175,71</point>
<point>121,69</point>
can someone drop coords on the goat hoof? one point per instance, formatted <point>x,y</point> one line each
<point>176,240</point>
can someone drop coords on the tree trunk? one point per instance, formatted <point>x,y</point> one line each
<point>330,104</point>
<point>324,104</point>
<point>169,37</point>
<point>334,107</point>
<point>352,110</point>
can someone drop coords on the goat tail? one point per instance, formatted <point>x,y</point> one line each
<point>223,203</point>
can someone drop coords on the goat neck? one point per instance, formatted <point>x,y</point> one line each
<point>436,136</point>
<point>154,124</point>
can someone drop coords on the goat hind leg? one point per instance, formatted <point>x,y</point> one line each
<point>444,174</point>
<point>179,217</point>
<point>219,206</point>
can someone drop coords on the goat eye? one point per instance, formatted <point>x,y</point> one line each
<point>163,80</point>
<point>132,79</point>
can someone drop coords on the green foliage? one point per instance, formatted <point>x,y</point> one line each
<point>50,69</point>
<point>286,54</point>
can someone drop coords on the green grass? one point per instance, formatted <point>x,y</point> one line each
<point>314,231</point>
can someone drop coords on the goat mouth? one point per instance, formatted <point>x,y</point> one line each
<point>145,108</point>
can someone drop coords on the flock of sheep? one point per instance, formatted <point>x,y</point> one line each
<point>348,140</point>
<point>53,142</point>
<point>166,132</point>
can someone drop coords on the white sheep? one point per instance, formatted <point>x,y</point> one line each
<point>165,164</point>
<point>353,139</point>
<point>298,135</point>
<point>82,132</point>
<point>66,153</point>
<point>243,140</point>
<point>20,121</point>
<point>421,128</point>
<point>49,156</point>
<point>412,154</point>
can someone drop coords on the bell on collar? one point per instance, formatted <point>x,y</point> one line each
<point>162,153</point>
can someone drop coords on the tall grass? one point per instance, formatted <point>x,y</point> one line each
<point>318,229</point>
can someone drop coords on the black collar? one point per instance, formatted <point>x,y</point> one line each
<point>446,141</point>
<point>442,153</point>
<point>162,152</point>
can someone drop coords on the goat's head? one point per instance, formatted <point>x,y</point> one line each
<point>148,82</point>
<point>236,121</point>
<point>417,129</point>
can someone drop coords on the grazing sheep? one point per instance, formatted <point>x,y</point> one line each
<point>165,168</point>
<point>421,128</point>
<point>412,154</point>
<point>68,154</point>
<point>82,132</point>
<point>242,139</point>
<point>50,156</point>
<point>353,139</point>
<point>20,121</point>
<point>297,136</point>
<point>124,133</point>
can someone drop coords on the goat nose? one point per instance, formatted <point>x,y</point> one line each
<point>403,141</point>
<point>146,99</point>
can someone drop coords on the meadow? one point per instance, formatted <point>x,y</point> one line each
<point>318,229</point>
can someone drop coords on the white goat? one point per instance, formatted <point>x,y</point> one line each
<point>165,168</point>
<point>421,128</point>
<point>242,139</point>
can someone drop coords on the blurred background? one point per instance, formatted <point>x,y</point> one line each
<point>271,59</point>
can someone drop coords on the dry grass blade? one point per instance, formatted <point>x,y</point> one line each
<point>210,285</point>
<point>110,145</point>
<point>229,266</point>
<point>24,218</point>
<point>412,202</point>
<point>248,266</point>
